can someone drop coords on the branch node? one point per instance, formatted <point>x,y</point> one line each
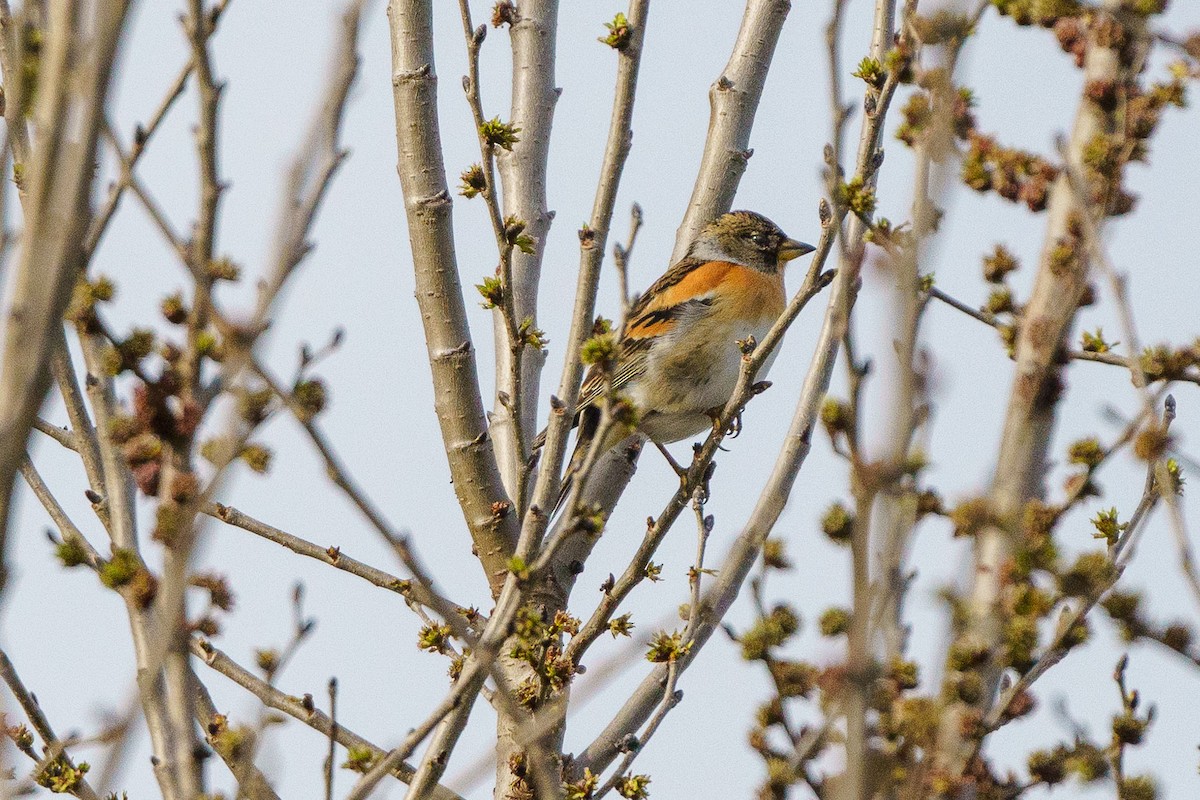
<point>437,200</point>
<point>419,73</point>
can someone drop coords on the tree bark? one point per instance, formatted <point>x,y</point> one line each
<point>457,400</point>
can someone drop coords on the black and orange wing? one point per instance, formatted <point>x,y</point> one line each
<point>685,288</point>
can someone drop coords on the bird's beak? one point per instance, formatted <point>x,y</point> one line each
<point>792,249</point>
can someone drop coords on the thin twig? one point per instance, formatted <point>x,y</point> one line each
<point>315,165</point>
<point>345,482</point>
<point>1112,359</point>
<point>704,526</point>
<point>417,591</point>
<point>1099,256</point>
<point>141,139</point>
<point>70,532</point>
<point>510,394</point>
<point>333,727</point>
<point>83,432</point>
<point>621,254</point>
<point>159,218</point>
<point>670,698</point>
<point>301,709</point>
<point>53,746</point>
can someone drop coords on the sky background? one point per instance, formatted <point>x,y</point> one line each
<point>68,637</point>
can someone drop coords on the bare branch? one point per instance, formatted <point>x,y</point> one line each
<point>418,591</point>
<point>592,240</point>
<point>142,138</point>
<point>621,254</point>
<point>53,746</point>
<point>733,98</point>
<point>315,165</point>
<point>58,179</point>
<point>457,399</point>
<point>670,698</point>
<point>83,433</point>
<point>1032,408</point>
<point>300,709</point>
<point>70,532</point>
<point>333,726</point>
<point>523,177</point>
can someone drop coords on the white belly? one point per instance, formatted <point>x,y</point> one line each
<point>681,387</point>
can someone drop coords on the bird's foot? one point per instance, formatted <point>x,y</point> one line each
<point>680,471</point>
<point>732,430</point>
<point>735,426</point>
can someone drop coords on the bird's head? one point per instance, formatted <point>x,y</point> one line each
<point>749,239</point>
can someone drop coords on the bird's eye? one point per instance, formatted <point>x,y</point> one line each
<point>759,239</point>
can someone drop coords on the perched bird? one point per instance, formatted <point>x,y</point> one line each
<point>678,357</point>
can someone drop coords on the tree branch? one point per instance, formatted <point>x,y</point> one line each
<point>314,166</point>
<point>301,709</point>
<point>52,745</point>
<point>592,243</point>
<point>415,591</point>
<point>733,98</point>
<point>1033,403</point>
<point>457,400</point>
<point>58,179</point>
<point>523,178</point>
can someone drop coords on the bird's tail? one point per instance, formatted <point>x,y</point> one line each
<point>589,420</point>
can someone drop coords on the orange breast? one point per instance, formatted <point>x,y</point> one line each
<point>751,294</point>
<point>736,292</point>
<point>748,291</point>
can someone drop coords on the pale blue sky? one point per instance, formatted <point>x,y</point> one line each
<point>68,636</point>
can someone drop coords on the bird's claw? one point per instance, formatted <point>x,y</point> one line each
<point>735,426</point>
<point>732,430</point>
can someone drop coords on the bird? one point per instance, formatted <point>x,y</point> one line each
<point>677,356</point>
